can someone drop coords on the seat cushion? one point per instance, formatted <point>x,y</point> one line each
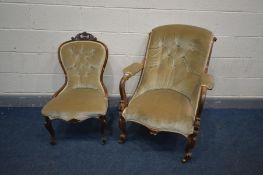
<point>162,110</point>
<point>79,104</point>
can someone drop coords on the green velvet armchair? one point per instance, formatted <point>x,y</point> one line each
<point>173,83</point>
<point>83,94</point>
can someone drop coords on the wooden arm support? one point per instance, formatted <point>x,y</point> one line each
<point>133,69</point>
<point>207,81</point>
<point>127,73</point>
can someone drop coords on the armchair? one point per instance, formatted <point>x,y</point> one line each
<point>172,88</point>
<point>83,94</point>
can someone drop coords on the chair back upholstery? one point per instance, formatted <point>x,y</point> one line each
<point>83,61</point>
<point>175,59</point>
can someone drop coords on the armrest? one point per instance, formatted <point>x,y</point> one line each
<point>207,81</point>
<point>133,69</point>
<point>127,73</point>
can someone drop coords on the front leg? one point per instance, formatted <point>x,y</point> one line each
<point>191,140</point>
<point>51,131</point>
<point>128,72</point>
<point>122,123</point>
<point>122,126</point>
<point>103,129</point>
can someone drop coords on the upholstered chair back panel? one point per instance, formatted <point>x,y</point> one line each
<point>175,59</point>
<point>83,62</point>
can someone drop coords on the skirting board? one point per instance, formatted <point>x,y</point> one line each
<point>211,102</point>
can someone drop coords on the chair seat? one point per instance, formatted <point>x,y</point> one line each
<point>79,104</point>
<point>162,110</point>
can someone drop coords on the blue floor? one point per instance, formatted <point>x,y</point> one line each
<point>230,142</point>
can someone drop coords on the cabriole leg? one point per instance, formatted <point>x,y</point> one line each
<point>122,126</point>
<point>191,140</point>
<point>122,123</point>
<point>51,130</point>
<point>103,122</point>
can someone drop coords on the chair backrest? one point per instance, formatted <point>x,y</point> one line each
<point>83,60</point>
<point>176,57</point>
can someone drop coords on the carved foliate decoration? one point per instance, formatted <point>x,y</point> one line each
<point>84,36</point>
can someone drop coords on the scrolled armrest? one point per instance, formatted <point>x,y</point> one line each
<point>127,73</point>
<point>207,81</point>
<point>133,69</point>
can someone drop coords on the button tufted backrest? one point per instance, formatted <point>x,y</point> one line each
<point>83,63</point>
<point>176,57</point>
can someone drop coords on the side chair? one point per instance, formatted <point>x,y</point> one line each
<point>83,95</point>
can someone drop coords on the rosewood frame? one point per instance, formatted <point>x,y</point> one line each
<point>84,36</point>
<point>191,139</point>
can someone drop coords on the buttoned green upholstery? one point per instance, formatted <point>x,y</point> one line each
<point>83,96</point>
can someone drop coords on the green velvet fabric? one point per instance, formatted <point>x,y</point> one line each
<point>175,61</point>
<point>83,96</point>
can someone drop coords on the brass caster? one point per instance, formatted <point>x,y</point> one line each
<point>53,141</point>
<point>122,139</point>
<point>152,132</point>
<point>186,158</point>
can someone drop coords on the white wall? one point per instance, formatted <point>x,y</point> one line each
<point>31,31</point>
